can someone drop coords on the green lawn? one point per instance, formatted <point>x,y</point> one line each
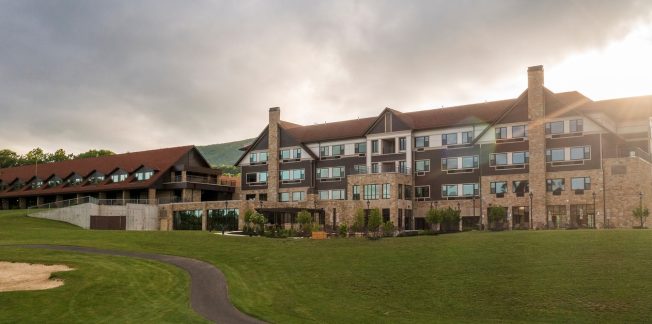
<point>546,276</point>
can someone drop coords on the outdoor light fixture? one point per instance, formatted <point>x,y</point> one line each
<point>261,204</point>
<point>593,194</point>
<point>368,202</point>
<point>431,204</point>
<point>458,206</point>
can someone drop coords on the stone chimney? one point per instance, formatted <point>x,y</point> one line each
<point>537,144</point>
<point>272,154</point>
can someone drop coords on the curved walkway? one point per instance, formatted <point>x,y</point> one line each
<point>208,290</point>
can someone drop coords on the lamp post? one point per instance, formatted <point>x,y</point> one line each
<point>593,194</point>
<point>458,207</point>
<point>314,205</point>
<point>531,196</point>
<point>431,204</point>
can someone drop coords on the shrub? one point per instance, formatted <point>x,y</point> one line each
<point>343,230</point>
<point>258,221</point>
<point>434,217</point>
<point>388,228</point>
<point>451,219</point>
<point>374,222</point>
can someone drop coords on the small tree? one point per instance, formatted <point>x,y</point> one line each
<point>259,223</point>
<point>247,220</point>
<point>374,221</point>
<point>434,217</point>
<point>451,218</point>
<point>641,214</point>
<point>358,223</point>
<point>343,229</point>
<point>305,222</point>
<point>497,215</point>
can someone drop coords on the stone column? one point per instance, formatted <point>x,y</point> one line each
<point>151,196</point>
<point>184,176</point>
<point>537,144</point>
<point>204,217</point>
<point>272,154</point>
<point>408,153</point>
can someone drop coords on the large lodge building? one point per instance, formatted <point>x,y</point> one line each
<point>553,160</point>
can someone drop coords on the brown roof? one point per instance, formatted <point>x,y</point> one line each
<point>331,131</point>
<point>159,160</point>
<point>632,108</point>
<point>457,115</point>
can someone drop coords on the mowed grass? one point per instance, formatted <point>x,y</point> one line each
<point>545,276</point>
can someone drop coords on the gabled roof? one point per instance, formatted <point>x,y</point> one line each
<point>161,159</point>
<point>622,109</point>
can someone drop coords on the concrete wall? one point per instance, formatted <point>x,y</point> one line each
<point>139,217</point>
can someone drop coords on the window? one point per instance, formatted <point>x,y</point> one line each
<point>119,176</point>
<point>402,143</point>
<point>262,197</point>
<point>581,183</point>
<point>449,191</point>
<point>422,192</point>
<point>400,191</point>
<point>324,151</point>
<point>449,164</point>
<point>555,127</point>
<point>360,147</point>
<point>356,192</point>
<point>521,186</point>
<point>283,196</point>
<point>298,196</point>
<point>470,189</point>
<point>422,141</point>
<point>371,192</point>
<point>262,156</point>
<point>520,157</point>
<point>374,168</point>
<point>256,177</point>
<point>75,180</point>
<point>55,181</point>
<point>576,125</point>
<point>360,169</point>
<point>498,159</point>
<point>250,197</point>
<point>555,185</point>
<point>467,137</point>
<point>96,178</point>
<point>408,192</point>
<point>449,139</point>
<point>501,132</point>
<point>257,157</point>
<point>519,131</point>
<point>374,146</point>
<point>324,195</point>
<point>555,155</point>
<point>498,187</point>
<point>338,150</point>
<point>37,183</point>
<point>580,153</point>
<point>327,173</point>
<point>423,165</point>
<point>387,190</point>
<point>144,174</point>
<point>338,194</point>
<point>253,158</point>
<point>292,175</point>
<point>288,154</point>
<point>402,167</point>
<point>470,162</point>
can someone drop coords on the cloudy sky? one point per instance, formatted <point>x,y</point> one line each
<point>132,75</point>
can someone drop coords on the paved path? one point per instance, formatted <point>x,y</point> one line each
<point>208,290</point>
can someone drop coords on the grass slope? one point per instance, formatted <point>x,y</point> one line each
<point>551,276</point>
<point>225,153</point>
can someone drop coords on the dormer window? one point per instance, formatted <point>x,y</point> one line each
<point>96,178</point>
<point>119,176</point>
<point>74,180</point>
<point>36,183</point>
<point>144,174</point>
<point>54,181</point>
<point>16,185</point>
<point>3,186</point>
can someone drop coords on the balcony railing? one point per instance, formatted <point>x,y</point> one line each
<point>381,169</point>
<point>204,180</point>
<point>634,152</point>
<point>92,200</point>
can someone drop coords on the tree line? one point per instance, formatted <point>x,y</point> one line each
<point>9,158</point>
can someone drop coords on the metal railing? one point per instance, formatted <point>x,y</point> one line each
<point>92,200</point>
<point>388,168</point>
<point>634,152</point>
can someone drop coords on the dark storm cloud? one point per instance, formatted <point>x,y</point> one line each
<point>130,75</point>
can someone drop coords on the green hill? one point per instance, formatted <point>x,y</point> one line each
<point>224,153</point>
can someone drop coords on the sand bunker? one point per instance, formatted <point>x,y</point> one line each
<point>25,276</point>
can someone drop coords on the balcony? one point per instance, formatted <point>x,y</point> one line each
<point>634,152</point>
<point>383,168</point>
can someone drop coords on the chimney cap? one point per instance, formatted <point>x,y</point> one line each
<point>274,109</point>
<point>535,68</point>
